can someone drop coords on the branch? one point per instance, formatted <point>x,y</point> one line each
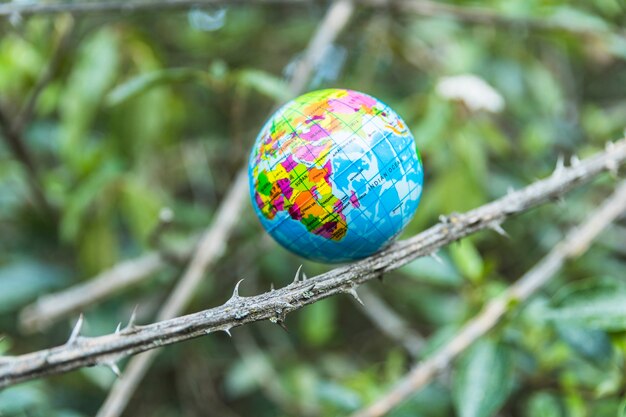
<point>390,323</point>
<point>52,307</point>
<point>426,8</point>
<point>213,243</point>
<point>17,145</point>
<point>575,244</point>
<point>97,7</point>
<point>274,305</point>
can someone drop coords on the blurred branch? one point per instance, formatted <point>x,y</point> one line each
<point>26,112</point>
<point>17,145</point>
<point>427,8</point>
<point>390,323</point>
<point>50,308</point>
<point>97,7</point>
<point>575,244</point>
<point>213,244</point>
<point>274,305</point>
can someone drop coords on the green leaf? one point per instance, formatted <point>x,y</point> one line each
<point>467,259</point>
<point>543,404</point>
<point>21,400</point>
<point>92,75</point>
<point>483,380</point>
<point>264,83</point>
<point>318,322</point>
<point>141,207</point>
<point>339,396</point>
<point>22,281</point>
<point>434,271</point>
<point>144,82</point>
<point>592,344</point>
<point>601,307</point>
<point>244,376</point>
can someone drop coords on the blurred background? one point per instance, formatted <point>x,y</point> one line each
<point>121,134</point>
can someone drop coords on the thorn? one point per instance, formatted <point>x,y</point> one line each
<point>496,227</point>
<point>113,367</point>
<point>355,295</point>
<point>282,325</point>
<point>304,277</point>
<point>272,287</point>
<point>510,189</point>
<point>227,331</point>
<point>560,165</point>
<point>611,166</point>
<point>119,326</point>
<point>131,321</point>
<point>75,331</point>
<point>235,295</point>
<point>297,277</point>
<point>436,257</point>
<point>166,215</point>
<point>574,161</point>
<point>610,145</point>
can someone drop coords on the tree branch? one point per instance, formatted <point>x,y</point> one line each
<point>575,244</point>
<point>390,323</point>
<point>426,8</point>
<point>98,7</point>
<point>274,305</point>
<point>52,307</point>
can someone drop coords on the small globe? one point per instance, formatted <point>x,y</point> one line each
<point>335,175</point>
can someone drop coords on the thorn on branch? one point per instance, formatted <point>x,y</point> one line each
<point>114,368</point>
<point>574,161</point>
<point>118,328</point>
<point>352,291</point>
<point>435,256</point>
<point>612,167</point>
<point>131,326</point>
<point>496,227</point>
<point>227,331</point>
<point>75,331</point>
<point>560,166</point>
<point>296,278</point>
<point>235,295</point>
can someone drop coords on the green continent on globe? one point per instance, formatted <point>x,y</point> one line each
<point>305,193</point>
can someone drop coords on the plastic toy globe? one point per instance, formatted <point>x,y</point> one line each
<point>335,175</point>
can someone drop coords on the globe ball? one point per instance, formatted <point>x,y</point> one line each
<point>335,175</point>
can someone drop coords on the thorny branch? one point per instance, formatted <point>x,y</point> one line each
<point>275,305</point>
<point>575,244</point>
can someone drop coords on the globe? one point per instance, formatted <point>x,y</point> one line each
<point>335,175</point>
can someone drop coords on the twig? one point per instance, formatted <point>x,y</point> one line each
<point>98,7</point>
<point>15,142</point>
<point>52,307</point>
<point>213,243</point>
<point>575,244</point>
<point>427,8</point>
<point>390,323</point>
<point>274,305</point>
<point>26,112</point>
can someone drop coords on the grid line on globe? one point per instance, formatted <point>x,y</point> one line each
<point>342,183</point>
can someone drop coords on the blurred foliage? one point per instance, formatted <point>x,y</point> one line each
<point>158,110</point>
